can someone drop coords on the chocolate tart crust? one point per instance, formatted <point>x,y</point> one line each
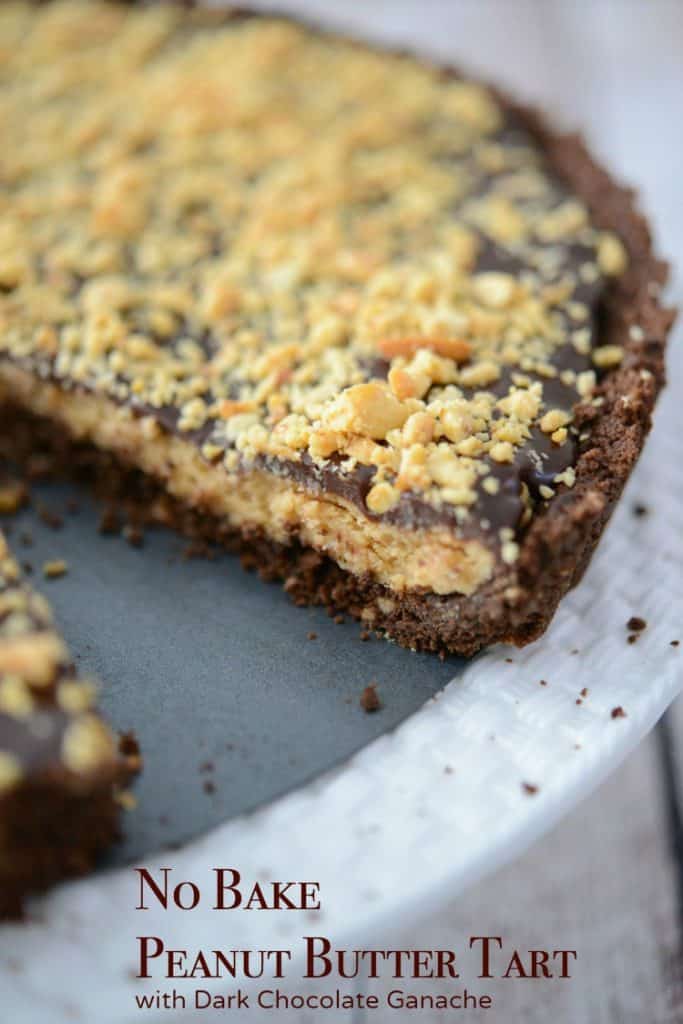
<point>55,834</point>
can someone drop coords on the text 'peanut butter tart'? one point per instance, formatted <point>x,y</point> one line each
<point>380,327</point>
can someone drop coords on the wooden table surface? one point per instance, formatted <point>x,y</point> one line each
<point>608,881</point>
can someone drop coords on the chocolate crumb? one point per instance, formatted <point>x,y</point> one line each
<point>26,539</point>
<point>632,638</point>
<point>618,712</point>
<point>510,661</point>
<point>640,510</point>
<point>339,620</point>
<point>208,786</point>
<point>38,467</point>
<point>578,700</point>
<point>50,518</point>
<point>312,636</point>
<point>635,624</point>
<point>365,636</point>
<point>129,748</point>
<point>675,643</point>
<point>110,521</point>
<point>542,682</point>
<point>529,788</point>
<point>27,568</point>
<point>128,743</point>
<point>584,692</point>
<point>369,699</point>
<point>133,535</point>
<point>199,549</point>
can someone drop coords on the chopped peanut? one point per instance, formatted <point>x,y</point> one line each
<point>381,498</point>
<point>453,348</point>
<point>369,409</point>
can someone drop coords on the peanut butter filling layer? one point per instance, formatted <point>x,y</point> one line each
<point>432,559</point>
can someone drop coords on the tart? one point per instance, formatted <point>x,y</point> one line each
<point>359,316</point>
<point>62,772</point>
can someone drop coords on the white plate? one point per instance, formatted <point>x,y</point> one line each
<point>426,810</point>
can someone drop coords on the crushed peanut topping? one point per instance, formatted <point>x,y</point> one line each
<point>54,569</point>
<point>293,249</point>
<point>86,743</point>
<point>10,771</point>
<point>607,356</point>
